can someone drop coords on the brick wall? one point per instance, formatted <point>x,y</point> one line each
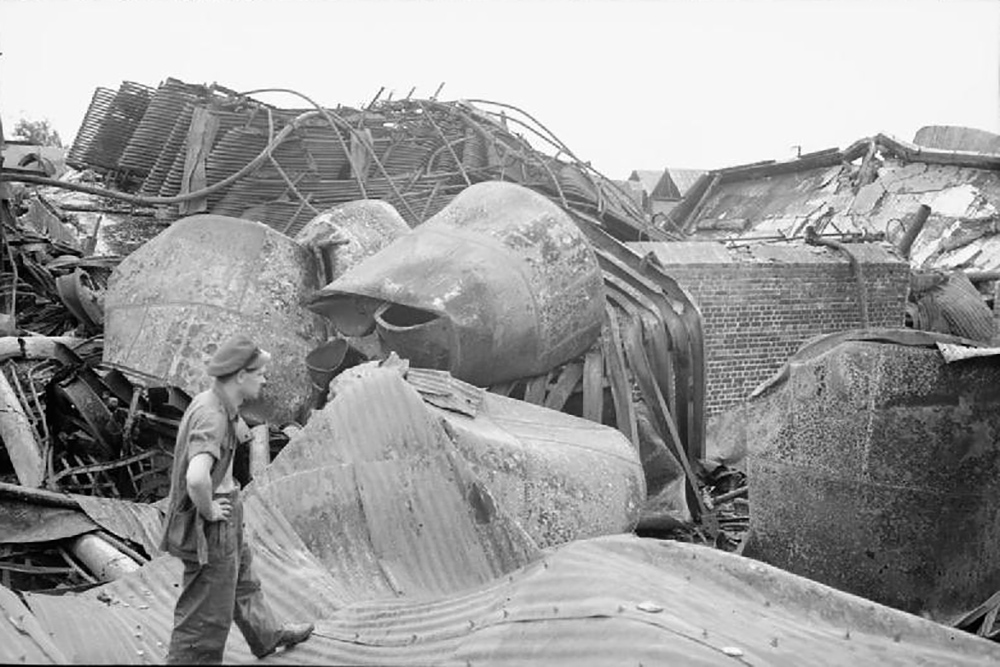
<point>759,305</point>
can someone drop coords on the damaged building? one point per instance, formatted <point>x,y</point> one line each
<point>494,377</point>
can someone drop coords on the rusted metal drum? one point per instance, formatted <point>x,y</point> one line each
<point>500,284</point>
<point>346,234</point>
<point>875,468</point>
<point>171,303</point>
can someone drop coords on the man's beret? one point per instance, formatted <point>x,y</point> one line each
<point>236,354</point>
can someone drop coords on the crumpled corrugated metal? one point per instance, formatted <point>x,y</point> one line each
<point>22,639</point>
<point>372,523</point>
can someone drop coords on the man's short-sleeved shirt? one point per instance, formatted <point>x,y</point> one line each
<point>210,425</point>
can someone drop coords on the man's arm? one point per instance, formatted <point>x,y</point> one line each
<point>199,488</point>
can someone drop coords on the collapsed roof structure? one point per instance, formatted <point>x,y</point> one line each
<point>871,189</point>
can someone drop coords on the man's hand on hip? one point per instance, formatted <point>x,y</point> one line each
<point>220,510</point>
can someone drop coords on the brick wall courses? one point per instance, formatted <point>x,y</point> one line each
<point>757,314</point>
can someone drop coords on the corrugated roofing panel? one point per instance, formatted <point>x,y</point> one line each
<point>137,522</point>
<point>22,521</point>
<point>415,511</point>
<point>627,600</point>
<point>610,600</point>
<point>22,639</point>
<point>128,621</point>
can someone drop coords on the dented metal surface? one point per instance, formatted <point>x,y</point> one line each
<point>561,477</point>
<point>391,544</point>
<point>499,273</point>
<point>40,515</point>
<point>604,601</point>
<point>347,234</point>
<point>890,456</point>
<point>129,620</point>
<point>411,517</point>
<point>174,300</point>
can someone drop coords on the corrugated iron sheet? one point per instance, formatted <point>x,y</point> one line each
<point>441,389</point>
<point>118,124</point>
<point>605,601</point>
<point>137,522</point>
<point>418,520</point>
<point>370,522</point>
<point>100,106</point>
<point>128,621</point>
<point>22,639</point>
<point>155,127</point>
<point>37,515</point>
<point>22,522</point>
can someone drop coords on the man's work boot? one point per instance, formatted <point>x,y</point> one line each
<point>290,635</point>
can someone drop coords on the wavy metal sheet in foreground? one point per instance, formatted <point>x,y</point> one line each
<point>419,570</point>
<point>605,601</point>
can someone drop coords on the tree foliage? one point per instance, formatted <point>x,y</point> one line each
<point>38,132</point>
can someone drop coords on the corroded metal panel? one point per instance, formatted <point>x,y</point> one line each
<point>562,478</point>
<point>500,273</point>
<point>172,302</point>
<point>873,467</point>
<point>347,234</point>
<point>377,489</point>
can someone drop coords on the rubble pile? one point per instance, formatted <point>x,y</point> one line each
<point>282,167</point>
<point>477,390</point>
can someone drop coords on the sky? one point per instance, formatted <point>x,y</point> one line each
<point>628,84</point>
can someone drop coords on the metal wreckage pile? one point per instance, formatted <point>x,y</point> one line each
<point>479,396</point>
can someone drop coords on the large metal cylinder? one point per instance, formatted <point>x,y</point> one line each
<point>875,468</point>
<point>500,284</point>
<point>172,302</point>
<point>103,560</point>
<point>346,234</point>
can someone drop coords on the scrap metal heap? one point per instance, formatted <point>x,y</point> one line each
<point>478,390</point>
<point>103,427</point>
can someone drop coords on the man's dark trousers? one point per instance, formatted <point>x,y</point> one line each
<point>222,591</point>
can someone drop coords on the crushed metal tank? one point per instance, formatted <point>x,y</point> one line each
<point>562,477</point>
<point>500,284</point>
<point>171,303</point>
<point>874,467</point>
<point>346,234</point>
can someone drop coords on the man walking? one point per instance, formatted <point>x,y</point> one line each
<point>204,522</point>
